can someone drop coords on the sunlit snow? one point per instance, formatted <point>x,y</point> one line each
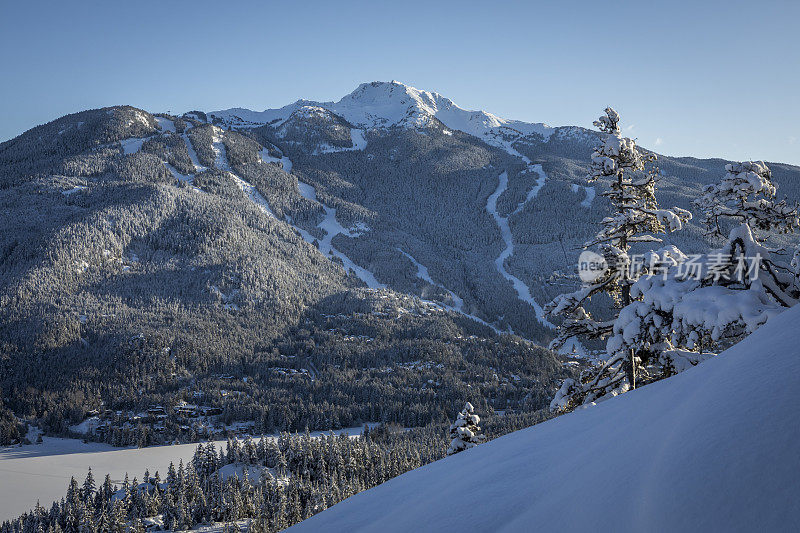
<point>711,449</point>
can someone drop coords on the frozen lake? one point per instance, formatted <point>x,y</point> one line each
<point>42,471</point>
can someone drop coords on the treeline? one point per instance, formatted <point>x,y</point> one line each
<point>269,483</point>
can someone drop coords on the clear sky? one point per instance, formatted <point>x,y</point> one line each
<point>715,78</point>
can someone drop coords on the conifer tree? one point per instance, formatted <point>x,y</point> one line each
<point>635,219</point>
<point>713,299</point>
<point>465,432</point>
<point>87,492</point>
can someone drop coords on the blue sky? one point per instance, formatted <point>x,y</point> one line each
<point>689,78</point>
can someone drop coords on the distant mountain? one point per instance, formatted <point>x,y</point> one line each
<point>419,171</point>
<point>146,255</point>
<point>711,449</point>
<point>386,104</point>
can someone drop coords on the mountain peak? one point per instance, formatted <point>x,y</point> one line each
<point>381,104</point>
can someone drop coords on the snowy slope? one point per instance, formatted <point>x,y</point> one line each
<point>385,104</point>
<point>712,449</point>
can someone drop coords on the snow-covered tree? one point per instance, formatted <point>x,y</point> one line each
<point>465,432</point>
<point>746,194</point>
<point>88,489</point>
<point>635,219</point>
<point>716,298</point>
<point>686,306</point>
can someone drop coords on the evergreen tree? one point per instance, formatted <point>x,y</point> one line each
<point>712,300</point>
<point>465,432</point>
<point>87,492</point>
<point>636,217</point>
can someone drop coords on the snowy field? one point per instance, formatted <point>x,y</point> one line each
<point>42,471</point>
<point>714,448</point>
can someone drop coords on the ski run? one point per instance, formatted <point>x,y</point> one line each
<point>331,227</point>
<point>523,291</point>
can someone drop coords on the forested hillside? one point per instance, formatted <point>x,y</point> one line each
<point>154,262</point>
<point>381,258</point>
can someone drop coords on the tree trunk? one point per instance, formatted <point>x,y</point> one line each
<point>632,370</point>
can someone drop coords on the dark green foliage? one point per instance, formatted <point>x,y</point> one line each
<point>40,149</point>
<point>11,431</point>
<point>298,476</point>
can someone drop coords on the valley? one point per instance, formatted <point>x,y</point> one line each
<point>170,279</point>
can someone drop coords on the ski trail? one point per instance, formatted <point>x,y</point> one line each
<point>359,141</point>
<point>356,137</point>
<point>590,194</point>
<point>192,154</point>
<point>573,345</point>
<point>218,147</point>
<point>177,175</point>
<point>166,124</point>
<point>534,190</point>
<point>332,228</point>
<point>422,273</point>
<point>523,291</point>
<point>285,162</point>
<point>222,164</point>
<point>132,145</point>
<point>329,224</point>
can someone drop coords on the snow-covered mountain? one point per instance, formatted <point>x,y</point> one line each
<point>264,221</point>
<point>711,449</point>
<point>386,104</point>
<point>325,243</point>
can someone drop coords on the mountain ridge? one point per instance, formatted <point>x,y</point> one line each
<point>127,230</point>
<point>385,104</point>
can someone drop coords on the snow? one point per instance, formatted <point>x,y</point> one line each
<point>77,188</point>
<point>42,471</point>
<point>359,141</point>
<point>523,291</point>
<point>287,164</point>
<point>386,104</point>
<point>283,160</point>
<point>238,470</point>
<point>422,273</point>
<point>266,157</point>
<point>590,194</point>
<point>88,426</point>
<point>711,449</point>
<point>307,191</point>
<point>573,345</point>
<point>357,138</point>
<point>458,303</point>
<point>222,164</point>
<point>180,177</point>
<point>193,154</point>
<point>132,146</point>
<point>329,224</point>
<point>253,194</point>
<point>332,228</point>
<point>166,124</point>
<point>219,149</point>
<point>140,117</point>
<point>535,189</point>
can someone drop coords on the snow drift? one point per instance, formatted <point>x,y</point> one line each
<point>714,448</point>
